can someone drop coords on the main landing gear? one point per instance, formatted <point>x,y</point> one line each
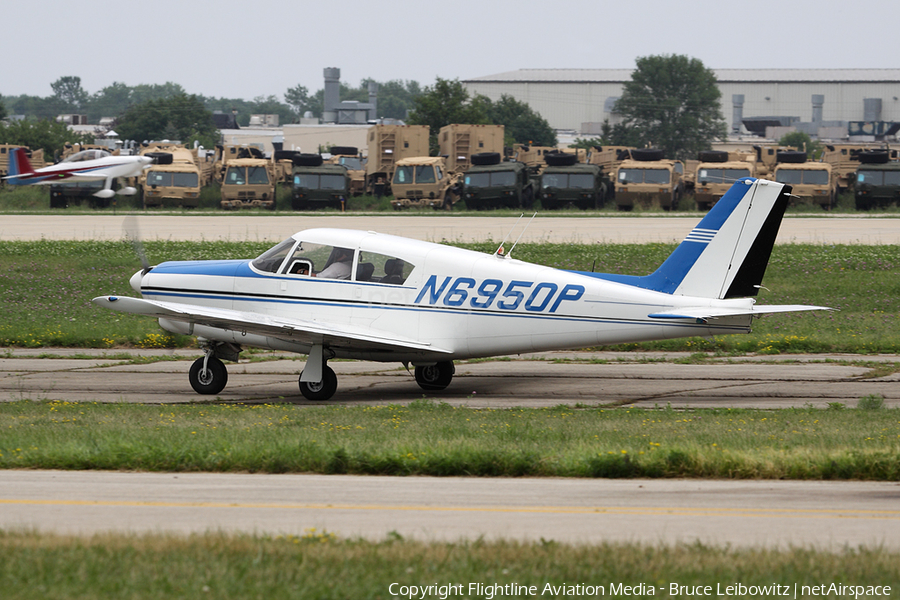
<point>435,377</point>
<point>318,382</point>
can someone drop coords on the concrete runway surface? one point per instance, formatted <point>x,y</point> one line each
<point>545,379</point>
<point>434,228</point>
<point>825,515</point>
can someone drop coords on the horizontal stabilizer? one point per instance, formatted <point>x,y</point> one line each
<point>705,313</point>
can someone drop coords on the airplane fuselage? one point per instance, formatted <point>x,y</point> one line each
<point>466,303</point>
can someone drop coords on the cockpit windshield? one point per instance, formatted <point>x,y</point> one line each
<point>86,155</point>
<point>270,260</point>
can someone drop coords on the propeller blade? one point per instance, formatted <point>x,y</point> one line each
<point>133,234</point>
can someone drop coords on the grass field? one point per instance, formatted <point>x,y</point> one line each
<point>436,439</point>
<point>316,564</point>
<point>46,288</point>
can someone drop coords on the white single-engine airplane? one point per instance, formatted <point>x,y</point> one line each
<point>87,165</point>
<point>334,293</point>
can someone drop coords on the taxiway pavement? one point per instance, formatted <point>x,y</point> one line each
<point>535,380</point>
<point>825,514</point>
<point>435,228</point>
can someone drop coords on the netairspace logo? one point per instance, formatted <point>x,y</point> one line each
<point>490,591</point>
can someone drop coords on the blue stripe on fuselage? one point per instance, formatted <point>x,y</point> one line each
<point>672,272</point>
<point>224,268</point>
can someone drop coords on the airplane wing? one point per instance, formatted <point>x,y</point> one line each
<point>293,330</point>
<point>703,314</point>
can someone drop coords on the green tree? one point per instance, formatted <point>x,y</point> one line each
<point>2,109</point>
<point>111,101</point>
<point>45,133</point>
<point>68,91</point>
<point>445,103</point>
<point>801,141</point>
<point>521,123</point>
<point>182,114</point>
<point>672,102</point>
<point>298,99</point>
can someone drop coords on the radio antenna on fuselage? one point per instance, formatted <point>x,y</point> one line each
<point>500,251</point>
<point>509,254</point>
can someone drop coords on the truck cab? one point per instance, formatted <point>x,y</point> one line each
<point>490,183</point>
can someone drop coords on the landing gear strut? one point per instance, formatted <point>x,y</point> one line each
<point>435,377</point>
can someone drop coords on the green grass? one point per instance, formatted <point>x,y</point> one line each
<point>436,439</point>
<point>319,565</point>
<point>46,288</point>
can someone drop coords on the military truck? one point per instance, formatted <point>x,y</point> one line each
<point>175,184</point>
<point>348,156</point>
<point>566,182</point>
<point>715,173</point>
<point>646,177</point>
<point>247,178</point>
<point>459,142</point>
<point>386,145</point>
<point>533,156</point>
<point>317,184</point>
<point>490,183</point>
<point>811,181</point>
<point>845,161</point>
<point>424,181</point>
<point>877,181</point>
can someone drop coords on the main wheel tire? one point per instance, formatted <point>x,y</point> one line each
<point>213,380</point>
<point>435,377</point>
<point>319,392</point>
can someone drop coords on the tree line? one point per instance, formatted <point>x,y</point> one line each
<point>671,102</point>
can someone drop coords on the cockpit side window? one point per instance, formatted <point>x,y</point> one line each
<point>386,269</point>
<point>314,256</point>
<point>271,260</point>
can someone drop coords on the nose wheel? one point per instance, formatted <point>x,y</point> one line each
<point>208,375</point>
<point>322,390</point>
<point>435,377</point>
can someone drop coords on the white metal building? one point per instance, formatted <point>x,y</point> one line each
<point>581,99</point>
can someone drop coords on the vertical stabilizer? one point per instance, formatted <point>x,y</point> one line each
<point>726,254</point>
<point>18,165</point>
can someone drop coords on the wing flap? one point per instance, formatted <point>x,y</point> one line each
<point>294,330</point>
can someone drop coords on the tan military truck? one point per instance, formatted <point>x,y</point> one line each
<point>715,173</point>
<point>458,142</point>
<point>648,177</point>
<point>175,184</point>
<point>424,181</point>
<point>812,181</point>
<point>845,160</point>
<point>349,158</point>
<point>247,178</point>
<point>388,144</point>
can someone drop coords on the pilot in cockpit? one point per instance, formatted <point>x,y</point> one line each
<point>340,266</point>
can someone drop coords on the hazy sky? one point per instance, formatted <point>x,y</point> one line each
<point>241,49</point>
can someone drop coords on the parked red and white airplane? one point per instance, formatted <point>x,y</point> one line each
<point>334,293</point>
<point>87,165</point>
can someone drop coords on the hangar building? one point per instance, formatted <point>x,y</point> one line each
<point>861,101</point>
